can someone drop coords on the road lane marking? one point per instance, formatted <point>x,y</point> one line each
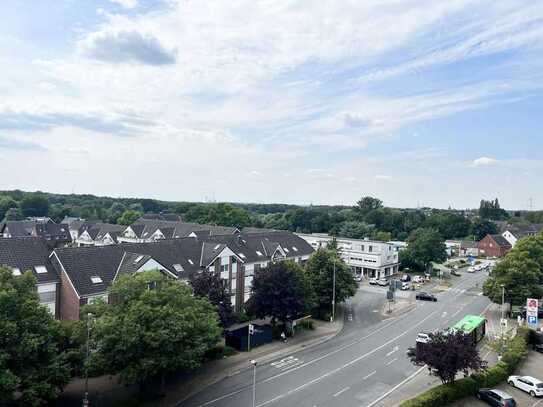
<point>346,365</point>
<point>395,349</point>
<point>536,403</point>
<point>386,325</point>
<point>370,375</point>
<point>341,391</point>
<point>391,362</point>
<point>395,387</point>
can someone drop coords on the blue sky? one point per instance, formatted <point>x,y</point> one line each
<point>415,102</point>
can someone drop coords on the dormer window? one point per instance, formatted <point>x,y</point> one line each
<point>41,269</point>
<point>96,280</point>
<point>16,271</point>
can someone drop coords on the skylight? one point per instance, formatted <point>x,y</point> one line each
<point>286,250</point>
<point>242,255</point>
<point>294,248</point>
<point>191,262</point>
<point>259,253</point>
<point>216,247</point>
<point>96,280</point>
<point>178,267</point>
<point>16,271</point>
<point>41,269</point>
<point>138,259</point>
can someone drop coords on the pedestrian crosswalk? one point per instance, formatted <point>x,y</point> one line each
<point>287,363</point>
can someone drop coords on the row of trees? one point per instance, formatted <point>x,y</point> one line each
<point>520,272</point>
<point>152,326</point>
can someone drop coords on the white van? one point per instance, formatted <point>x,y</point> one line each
<point>406,285</point>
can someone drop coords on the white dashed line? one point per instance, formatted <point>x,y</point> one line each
<point>370,375</point>
<point>391,362</point>
<point>341,391</point>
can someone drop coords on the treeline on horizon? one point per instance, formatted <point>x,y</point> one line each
<point>366,218</point>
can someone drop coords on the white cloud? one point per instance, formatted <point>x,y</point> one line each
<point>126,3</point>
<point>383,177</point>
<point>484,162</point>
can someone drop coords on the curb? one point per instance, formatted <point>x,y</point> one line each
<point>266,359</point>
<point>399,313</point>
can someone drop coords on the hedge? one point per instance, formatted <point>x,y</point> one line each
<point>468,386</point>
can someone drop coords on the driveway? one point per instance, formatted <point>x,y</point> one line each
<point>532,366</point>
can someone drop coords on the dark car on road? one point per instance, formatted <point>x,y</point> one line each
<point>496,397</point>
<point>423,296</point>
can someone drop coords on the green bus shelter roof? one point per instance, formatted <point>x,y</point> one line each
<point>469,323</point>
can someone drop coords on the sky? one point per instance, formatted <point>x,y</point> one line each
<point>419,103</point>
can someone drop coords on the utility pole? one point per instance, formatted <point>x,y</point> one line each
<point>254,381</point>
<point>86,397</point>
<point>334,292</point>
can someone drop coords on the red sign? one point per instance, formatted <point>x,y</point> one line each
<point>532,304</point>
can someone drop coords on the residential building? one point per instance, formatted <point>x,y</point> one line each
<point>151,230</point>
<point>469,248</point>
<point>452,247</point>
<point>87,271</point>
<point>98,234</point>
<point>172,217</point>
<point>367,258</point>
<point>398,245</point>
<point>22,254</point>
<point>513,233</point>
<point>53,233</point>
<point>493,246</point>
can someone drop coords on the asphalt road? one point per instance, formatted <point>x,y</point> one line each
<point>359,367</point>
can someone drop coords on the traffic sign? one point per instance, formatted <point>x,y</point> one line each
<point>532,320</point>
<point>532,304</point>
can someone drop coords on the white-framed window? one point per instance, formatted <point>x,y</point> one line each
<point>294,248</point>
<point>242,255</point>
<point>138,259</point>
<point>178,267</point>
<point>96,279</point>
<point>41,269</point>
<point>190,261</point>
<point>16,271</point>
<point>286,250</point>
<point>259,253</point>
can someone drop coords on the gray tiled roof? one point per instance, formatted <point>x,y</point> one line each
<point>144,228</point>
<point>26,253</point>
<point>500,240</point>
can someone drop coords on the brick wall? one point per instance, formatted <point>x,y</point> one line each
<point>68,300</point>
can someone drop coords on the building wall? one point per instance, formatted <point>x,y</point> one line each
<point>488,247</point>
<point>69,301</point>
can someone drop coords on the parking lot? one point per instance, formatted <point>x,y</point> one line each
<point>532,366</point>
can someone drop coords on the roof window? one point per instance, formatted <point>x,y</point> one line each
<point>96,280</point>
<point>242,255</point>
<point>216,247</point>
<point>190,261</point>
<point>294,248</point>
<point>178,267</point>
<point>259,253</point>
<point>138,259</point>
<point>286,250</point>
<point>16,271</point>
<point>41,269</point>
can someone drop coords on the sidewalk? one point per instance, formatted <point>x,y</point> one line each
<point>106,391</point>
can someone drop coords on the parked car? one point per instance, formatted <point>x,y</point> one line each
<point>418,279</point>
<point>455,273</point>
<point>528,384</point>
<point>406,285</point>
<point>373,281</point>
<point>358,277</point>
<point>424,296</point>
<point>423,337</point>
<point>383,282</point>
<point>471,269</point>
<point>538,347</point>
<point>496,397</point>
<point>406,277</point>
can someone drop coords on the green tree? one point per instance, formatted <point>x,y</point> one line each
<point>367,204</point>
<point>32,370</point>
<point>13,214</point>
<point>382,236</point>
<point>492,210</point>
<point>320,271</point>
<point>425,246</point>
<point>449,225</point>
<point>128,217</point>
<point>281,291</point>
<point>34,205</point>
<point>213,287</point>
<point>155,325</point>
<point>6,203</point>
<point>519,274</point>
<point>481,227</point>
<point>355,230</point>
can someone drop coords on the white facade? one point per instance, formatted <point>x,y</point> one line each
<point>367,258</point>
<point>48,296</point>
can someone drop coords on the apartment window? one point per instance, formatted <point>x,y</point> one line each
<point>249,271</point>
<point>48,296</point>
<point>41,269</point>
<point>96,280</point>
<point>361,247</point>
<point>370,248</point>
<point>16,271</point>
<point>224,268</point>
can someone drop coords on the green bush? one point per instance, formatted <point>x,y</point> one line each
<point>306,324</point>
<point>448,393</point>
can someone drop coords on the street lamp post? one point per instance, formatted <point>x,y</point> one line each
<point>503,310</point>
<point>86,398</point>
<point>254,363</point>
<point>334,291</point>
